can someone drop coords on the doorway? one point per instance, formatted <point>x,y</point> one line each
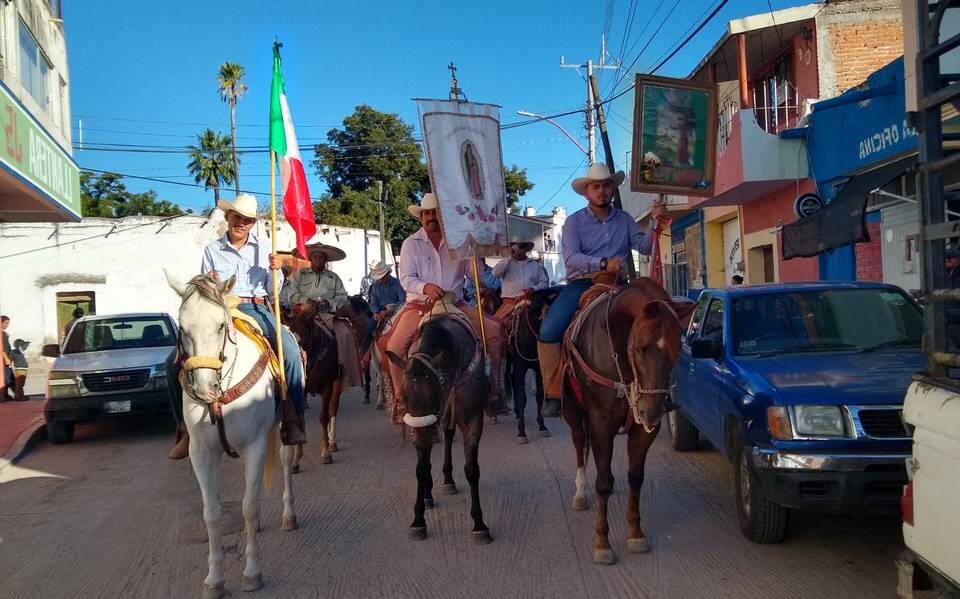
<point>68,301</point>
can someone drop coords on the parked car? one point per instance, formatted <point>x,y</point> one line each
<point>109,366</point>
<point>801,386</point>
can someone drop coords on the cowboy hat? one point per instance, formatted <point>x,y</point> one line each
<point>429,202</point>
<point>597,172</point>
<point>332,253</point>
<point>526,245</point>
<point>379,271</point>
<point>244,204</point>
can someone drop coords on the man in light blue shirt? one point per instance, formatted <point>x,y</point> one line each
<point>596,238</point>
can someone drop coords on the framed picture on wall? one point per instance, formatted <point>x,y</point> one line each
<point>674,137</point>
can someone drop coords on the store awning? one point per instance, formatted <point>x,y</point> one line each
<point>844,220</point>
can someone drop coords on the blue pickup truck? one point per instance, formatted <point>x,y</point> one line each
<point>801,386</point>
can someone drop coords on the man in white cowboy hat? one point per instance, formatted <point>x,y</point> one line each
<point>596,238</point>
<point>240,254</point>
<point>386,291</point>
<point>520,276</point>
<point>427,272</point>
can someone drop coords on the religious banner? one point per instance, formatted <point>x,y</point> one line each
<point>674,137</point>
<point>462,143</point>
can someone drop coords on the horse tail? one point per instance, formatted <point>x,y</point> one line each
<point>270,464</point>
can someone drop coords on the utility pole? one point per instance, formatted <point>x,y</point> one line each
<point>592,98</point>
<point>383,232</point>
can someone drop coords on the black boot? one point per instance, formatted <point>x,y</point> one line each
<point>291,425</point>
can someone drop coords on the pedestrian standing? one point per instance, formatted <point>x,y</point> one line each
<point>20,366</point>
<point>8,378</point>
<point>77,315</point>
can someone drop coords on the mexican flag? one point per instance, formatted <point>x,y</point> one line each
<point>297,208</point>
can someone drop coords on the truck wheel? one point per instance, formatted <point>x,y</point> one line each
<point>60,432</point>
<point>684,436</point>
<point>761,520</point>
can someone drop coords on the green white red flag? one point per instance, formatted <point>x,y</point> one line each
<point>297,208</point>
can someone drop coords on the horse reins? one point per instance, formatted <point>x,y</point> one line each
<point>447,407</point>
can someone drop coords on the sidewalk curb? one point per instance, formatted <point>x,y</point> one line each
<point>29,437</point>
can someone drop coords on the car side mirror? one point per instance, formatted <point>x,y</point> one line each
<point>705,348</point>
<point>51,350</point>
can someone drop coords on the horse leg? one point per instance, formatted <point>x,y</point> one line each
<point>325,398</point>
<point>538,376</point>
<point>449,487</point>
<point>638,443</point>
<point>366,384</point>
<point>334,406</point>
<point>472,432</point>
<point>519,374</point>
<point>418,530</point>
<point>288,457</point>
<point>253,459</point>
<point>601,441</point>
<point>295,459</point>
<point>377,367</point>
<point>206,467</point>
<point>576,420</point>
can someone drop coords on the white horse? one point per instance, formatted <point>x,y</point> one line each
<point>221,383</point>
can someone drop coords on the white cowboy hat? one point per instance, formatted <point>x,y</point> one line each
<point>244,204</point>
<point>380,270</point>
<point>521,242</point>
<point>535,255</point>
<point>333,253</point>
<point>429,202</point>
<point>597,172</point>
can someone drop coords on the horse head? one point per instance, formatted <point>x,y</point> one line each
<point>428,373</point>
<point>205,328</point>
<point>316,338</point>
<point>653,346</point>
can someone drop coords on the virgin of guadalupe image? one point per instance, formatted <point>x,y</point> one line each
<point>472,174</point>
<point>676,133</point>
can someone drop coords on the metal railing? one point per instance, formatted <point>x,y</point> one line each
<point>786,111</point>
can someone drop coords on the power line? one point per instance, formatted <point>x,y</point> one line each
<point>564,184</point>
<point>653,36</point>
<point>690,36</point>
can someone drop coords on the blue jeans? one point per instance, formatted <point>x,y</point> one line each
<point>292,368</point>
<point>562,310</point>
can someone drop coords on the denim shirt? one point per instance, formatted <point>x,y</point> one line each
<point>250,264</point>
<point>587,240</point>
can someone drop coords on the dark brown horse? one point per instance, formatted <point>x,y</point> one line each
<point>522,331</point>
<point>620,360</point>
<point>444,382</point>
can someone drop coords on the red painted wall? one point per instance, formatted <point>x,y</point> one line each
<point>805,65</point>
<point>869,256</point>
<point>776,209</point>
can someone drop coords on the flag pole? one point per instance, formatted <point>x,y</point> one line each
<point>276,283</point>
<point>483,333</point>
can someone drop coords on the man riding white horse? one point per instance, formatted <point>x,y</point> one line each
<point>427,272</point>
<point>598,237</point>
<point>240,254</point>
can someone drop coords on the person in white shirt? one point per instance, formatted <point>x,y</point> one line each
<point>520,276</point>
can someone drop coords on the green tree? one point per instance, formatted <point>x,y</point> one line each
<point>517,184</point>
<point>210,161</point>
<point>105,195</point>
<point>231,89</point>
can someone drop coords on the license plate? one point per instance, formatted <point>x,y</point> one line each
<point>116,407</point>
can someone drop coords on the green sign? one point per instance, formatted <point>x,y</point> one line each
<point>28,150</point>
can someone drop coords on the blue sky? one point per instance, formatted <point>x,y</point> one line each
<point>144,73</point>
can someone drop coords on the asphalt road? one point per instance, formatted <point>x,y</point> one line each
<point>110,516</point>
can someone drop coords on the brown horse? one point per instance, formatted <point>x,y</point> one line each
<point>618,374</point>
<point>323,375</point>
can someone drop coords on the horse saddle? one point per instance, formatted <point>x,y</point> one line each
<point>443,306</point>
<point>599,293</point>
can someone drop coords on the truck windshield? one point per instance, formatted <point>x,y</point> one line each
<point>119,333</point>
<point>825,320</point>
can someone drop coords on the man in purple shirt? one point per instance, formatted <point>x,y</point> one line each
<point>596,238</point>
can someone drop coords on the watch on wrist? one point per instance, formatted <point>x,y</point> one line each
<point>603,263</point>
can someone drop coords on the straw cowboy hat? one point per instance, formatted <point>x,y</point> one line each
<point>332,253</point>
<point>597,172</point>
<point>526,245</point>
<point>244,204</point>
<point>429,202</point>
<point>379,271</point>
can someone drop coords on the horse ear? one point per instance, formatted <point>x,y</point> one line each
<point>176,284</point>
<point>226,287</point>
<point>684,312</point>
<point>397,360</point>
<point>651,310</point>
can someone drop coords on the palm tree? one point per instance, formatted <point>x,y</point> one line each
<point>210,162</point>
<point>231,89</point>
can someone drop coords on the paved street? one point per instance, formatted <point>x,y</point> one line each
<point>111,516</point>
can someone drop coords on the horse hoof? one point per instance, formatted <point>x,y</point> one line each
<point>418,533</point>
<point>326,459</point>
<point>482,537</point>
<point>545,433</point>
<point>449,489</point>
<point>251,583</point>
<point>289,523</point>
<point>213,592</point>
<point>604,557</point>
<point>428,503</point>
<point>638,545</point>
<point>579,504</point>
<point>334,447</point>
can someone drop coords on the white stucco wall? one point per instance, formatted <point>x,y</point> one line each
<point>124,268</point>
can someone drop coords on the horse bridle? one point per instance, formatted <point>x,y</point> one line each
<point>446,412</point>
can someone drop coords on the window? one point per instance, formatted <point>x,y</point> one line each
<point>713,323</point>
<point>101,334</point>
<point>34,68</point>
<point>697,314</point>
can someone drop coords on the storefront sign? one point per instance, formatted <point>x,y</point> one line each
<point>29,151</point>
<point>806,204</point>
<point>887,137</point>
<point>674,137</point>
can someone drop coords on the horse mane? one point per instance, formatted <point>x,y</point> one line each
<point>206,287</point>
